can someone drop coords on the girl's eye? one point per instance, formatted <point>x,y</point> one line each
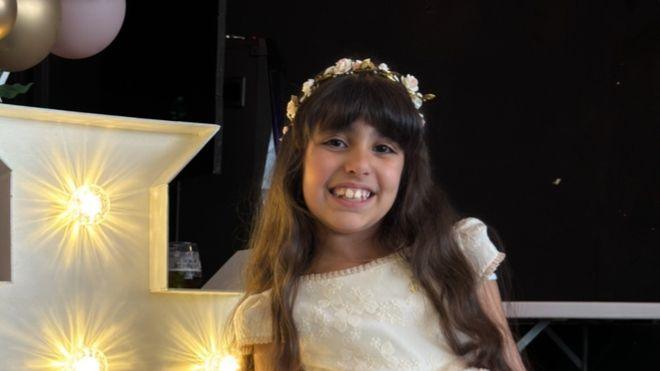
<point>335,143</point>
<point>383,148</point>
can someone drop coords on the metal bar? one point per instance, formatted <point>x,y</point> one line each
<point>532,334</point>
<point>560,343</point>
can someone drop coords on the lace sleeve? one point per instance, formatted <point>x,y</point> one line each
<point>253,322</point>
<point>473,238</point>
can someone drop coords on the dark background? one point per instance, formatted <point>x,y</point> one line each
<point>528,93</point>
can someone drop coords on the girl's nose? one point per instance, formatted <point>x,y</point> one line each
<point>358,162</point>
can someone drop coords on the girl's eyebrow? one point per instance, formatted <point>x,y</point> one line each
<point>385,138</point>
<point>332,130</point>
<point>347,131</point>
<point>328,132</point>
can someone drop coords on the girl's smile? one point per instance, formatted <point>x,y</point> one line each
<point>352,194</point>
<point>351,178</point>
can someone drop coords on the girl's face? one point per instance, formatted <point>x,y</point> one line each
<point>351,178</point>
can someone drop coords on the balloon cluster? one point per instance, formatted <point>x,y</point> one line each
<point>30,29</point>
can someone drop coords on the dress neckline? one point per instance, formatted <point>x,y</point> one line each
<point>352,270</point>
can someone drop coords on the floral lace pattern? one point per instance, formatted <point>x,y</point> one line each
<point>374,316</point>
<point>370,327</point>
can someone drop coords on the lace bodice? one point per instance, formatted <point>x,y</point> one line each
<point>370,317</point>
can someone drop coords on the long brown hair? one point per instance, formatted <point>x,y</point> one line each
<point>421,220</point>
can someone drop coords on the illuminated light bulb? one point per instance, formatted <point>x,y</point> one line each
<point>88,360</point>
<point>89,205</point>
<point>87,363</point>
<point>220,362</point>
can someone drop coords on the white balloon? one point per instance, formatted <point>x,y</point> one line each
<point>88,27</point>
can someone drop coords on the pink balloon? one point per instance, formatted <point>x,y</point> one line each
<point>88,26</point>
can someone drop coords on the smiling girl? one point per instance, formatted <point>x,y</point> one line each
<point>358,261</point>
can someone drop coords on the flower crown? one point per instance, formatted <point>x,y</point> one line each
<point>346,66</point>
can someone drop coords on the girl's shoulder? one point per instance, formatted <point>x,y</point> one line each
<point>472,236</point>
<point>253,321</point>
<point>466,223</point>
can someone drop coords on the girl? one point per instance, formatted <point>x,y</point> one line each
<point>358,261</point>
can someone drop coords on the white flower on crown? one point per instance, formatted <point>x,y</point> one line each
<point>410,82</point>
<point>417,101</point>
<point>291,109</point>
<point>343,66</point>
<point>348,66</point>
<point>307,87</point>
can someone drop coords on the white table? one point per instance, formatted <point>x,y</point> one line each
<point>547,312</point>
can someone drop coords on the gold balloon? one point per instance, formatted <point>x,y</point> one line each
<point>33,35</point>
<point>7,16</point>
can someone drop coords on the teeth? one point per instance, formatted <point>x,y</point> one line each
<point>351,193</point>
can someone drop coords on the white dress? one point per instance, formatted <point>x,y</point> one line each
<point>369,317</point>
